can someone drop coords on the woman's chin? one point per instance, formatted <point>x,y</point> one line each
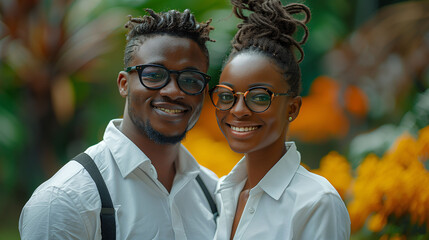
<point>241,148</point>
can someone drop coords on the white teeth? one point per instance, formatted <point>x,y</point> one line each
<point>170,110</point>
<point>243,129</point>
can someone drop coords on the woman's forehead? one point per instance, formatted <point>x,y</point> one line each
<point>248,69</point>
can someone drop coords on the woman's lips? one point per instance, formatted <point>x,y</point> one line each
<point>243,129</point>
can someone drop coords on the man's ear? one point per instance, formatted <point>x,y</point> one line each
<point>122,82</point>
<point>294,107</point>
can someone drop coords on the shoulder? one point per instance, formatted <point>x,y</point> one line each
<point>313,183</point>
<point>311,191</point>
<point>209,173</point>
<point>319,208</point>
<point>65,205</point>
<point>70,185</point>
<point>209,178</point>
<point>316,194</point>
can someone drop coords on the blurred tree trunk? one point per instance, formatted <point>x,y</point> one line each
<point>45,43</point>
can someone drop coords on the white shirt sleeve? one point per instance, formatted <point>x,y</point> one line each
<point>326,219</point>
<point>52,214</point>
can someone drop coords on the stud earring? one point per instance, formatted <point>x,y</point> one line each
<point>290,119</point>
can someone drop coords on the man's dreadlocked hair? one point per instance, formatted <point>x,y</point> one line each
<point>172,23</point>
<point>269,30</point>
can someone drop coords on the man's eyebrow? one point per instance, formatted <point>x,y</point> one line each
<point>192,68</point>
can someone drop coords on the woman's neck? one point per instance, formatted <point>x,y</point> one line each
<point>260,162</point>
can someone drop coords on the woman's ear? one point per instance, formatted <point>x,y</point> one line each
<point>294,107</point>
<point>122,82</point>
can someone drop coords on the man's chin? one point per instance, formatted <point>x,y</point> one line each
<point>147,129</point>
<point>160,138</point>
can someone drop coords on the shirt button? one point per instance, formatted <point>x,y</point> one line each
<point>251,210</point>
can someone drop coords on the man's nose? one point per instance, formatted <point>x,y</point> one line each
<point>172,89</point>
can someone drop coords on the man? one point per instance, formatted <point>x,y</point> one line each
<point>150,176</point>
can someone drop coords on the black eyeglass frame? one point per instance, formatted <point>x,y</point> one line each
<point>139,69</point>
<point>271,93</point>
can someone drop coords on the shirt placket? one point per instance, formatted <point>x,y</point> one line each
<point>228,208</point>
<point>178,228</point>
<point>248,213</point>
<point>176,219</point>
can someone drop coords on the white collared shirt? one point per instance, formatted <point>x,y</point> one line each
<point>67,206</point>
<point>288,203</point>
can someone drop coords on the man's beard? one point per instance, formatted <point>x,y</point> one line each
<point>151,133</point>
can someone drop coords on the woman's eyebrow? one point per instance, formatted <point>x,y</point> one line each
<point>227,84</point>
<point>260,84</point>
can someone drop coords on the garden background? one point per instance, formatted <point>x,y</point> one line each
<point>362,123</point>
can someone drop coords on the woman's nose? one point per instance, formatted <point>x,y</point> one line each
<point>240,108</point>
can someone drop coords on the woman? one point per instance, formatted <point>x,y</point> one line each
<point>268,195</point>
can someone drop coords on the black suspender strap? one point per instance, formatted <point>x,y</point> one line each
<point>208,196</point>
<point>107,214</point>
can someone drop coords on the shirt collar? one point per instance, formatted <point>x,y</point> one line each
<point>129,157</point>
<point>237,175</point>
<point>126,154</point>
<point>187,163</point>
<point>277,178</point>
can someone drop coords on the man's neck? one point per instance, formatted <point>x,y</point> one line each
<point>162,156</point>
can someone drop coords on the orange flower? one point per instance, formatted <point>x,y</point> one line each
<point>321,116</point>
<point>356,101</point>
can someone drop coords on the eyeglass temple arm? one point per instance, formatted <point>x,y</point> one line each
<point>128,69</point>
<point>283,94</point>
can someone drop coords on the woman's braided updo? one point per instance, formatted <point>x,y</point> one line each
<point>173,22</point>
<point>269,30</point>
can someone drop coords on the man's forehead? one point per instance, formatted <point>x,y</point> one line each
<point>167,50</point>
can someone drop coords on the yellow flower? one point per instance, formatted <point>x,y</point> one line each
<point>337,170</point>
<point>377,222</point>
<point>397,184</point>
<point>358,212</point>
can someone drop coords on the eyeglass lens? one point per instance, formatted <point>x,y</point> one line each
<point>257,99</point>
<point>157,77</point>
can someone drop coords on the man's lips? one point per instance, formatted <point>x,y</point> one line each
<point>171,108</point>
